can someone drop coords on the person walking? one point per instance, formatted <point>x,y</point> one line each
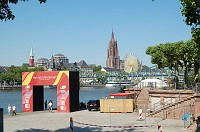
<point>50,105</point>
<point>71,124</point>
<point>9,109</point>
<point>14,110</point>
<point>45,105</point>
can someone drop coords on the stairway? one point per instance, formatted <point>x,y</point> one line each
<point>175,109</point>
<point>143,98</point>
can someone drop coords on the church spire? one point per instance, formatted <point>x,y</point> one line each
<point>113,59</point>
<point>31,58</point>
<point>31,52</point>
<point>112,34</point>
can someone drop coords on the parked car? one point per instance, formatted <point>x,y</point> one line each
<point>93,105</point>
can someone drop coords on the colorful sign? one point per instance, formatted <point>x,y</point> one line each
<point>58,78</point>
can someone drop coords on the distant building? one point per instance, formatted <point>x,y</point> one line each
<point>85,72</point>
<point>113,73</point>
<point>60,62</point>
<point>60,58</point>
<point>31,58</point>
<point>113,59</point>
<point>42,62</point>
<point>3,69</point>
<point>56,62</point>
<point>122,62</point>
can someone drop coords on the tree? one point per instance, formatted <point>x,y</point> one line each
<point>191,11</point>
<point>97,68</point>
<point>175,55</point>
<point>5,11</point>
<point>14,74</point>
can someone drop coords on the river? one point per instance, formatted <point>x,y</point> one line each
<point>14,96</point>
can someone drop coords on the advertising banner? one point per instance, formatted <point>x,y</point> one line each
<point>58,78</point>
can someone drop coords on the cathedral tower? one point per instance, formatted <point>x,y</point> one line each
<point>113,59</point>
<point>31,58</point>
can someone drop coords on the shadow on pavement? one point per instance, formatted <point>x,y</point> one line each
<point>78,129</point>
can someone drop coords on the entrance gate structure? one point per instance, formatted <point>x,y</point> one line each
<point>67,83</point>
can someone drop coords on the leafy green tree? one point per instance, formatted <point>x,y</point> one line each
<point>36,69</point>
<point>24,68</point>
<point>175,55</point>
<point>191,11</point>
<point>97,68</point>
<point>101,76</point>
<point>5,11</point>
<point>14,74</point>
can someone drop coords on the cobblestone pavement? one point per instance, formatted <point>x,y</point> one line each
<point>85,121</point>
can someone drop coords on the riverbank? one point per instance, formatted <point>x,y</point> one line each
<point>85,121</point>
<point>93,85</point>
<point>10,87</point>
<point>19,86</point>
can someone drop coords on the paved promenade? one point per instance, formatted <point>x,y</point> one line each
<point>85,121</point>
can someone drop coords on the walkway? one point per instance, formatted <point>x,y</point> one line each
<point>44,121</point>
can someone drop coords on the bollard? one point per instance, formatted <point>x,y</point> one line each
<point>1,119</point>
<point>159,128</point>
<point>140,114</point>
<point>71,124</point>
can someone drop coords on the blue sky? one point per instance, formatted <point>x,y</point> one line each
<point>81,29</point>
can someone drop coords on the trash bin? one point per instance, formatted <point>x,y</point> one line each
<point>1,119</point>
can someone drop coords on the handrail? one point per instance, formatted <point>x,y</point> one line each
<point>161,102</point>
<point>168,103</point>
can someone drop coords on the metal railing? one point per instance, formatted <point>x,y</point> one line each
<point>173,101</point>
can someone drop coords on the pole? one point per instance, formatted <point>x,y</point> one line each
<point>184,114</point>
<point>145,114</point>
<point>110,116</point>
<point>163,111</point>
<point>154,111</point>
<point>1,119</point>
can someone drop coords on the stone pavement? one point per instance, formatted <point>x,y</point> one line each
<point>85,121</point>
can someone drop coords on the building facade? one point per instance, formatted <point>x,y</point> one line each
<point>42,62</point>
<point>85,72</point>
<point>113,59</point>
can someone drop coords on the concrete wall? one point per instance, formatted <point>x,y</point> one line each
<point>197,105</point>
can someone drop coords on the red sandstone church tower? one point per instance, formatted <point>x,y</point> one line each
<point>113,59</point>
<point>31,58</point>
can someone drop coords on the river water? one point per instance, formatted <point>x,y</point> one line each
<point>14,96</point>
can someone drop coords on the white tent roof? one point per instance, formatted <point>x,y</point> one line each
<point>155,83</point>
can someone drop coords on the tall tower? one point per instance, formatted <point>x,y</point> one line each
<point>31,58</point>
<point>113,59</point>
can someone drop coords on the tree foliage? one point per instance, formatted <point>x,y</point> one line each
<point>175,55</point>
<point>14,73</point>
<point>191,11</point>
<point>5,10</point>
<point>97,68</point>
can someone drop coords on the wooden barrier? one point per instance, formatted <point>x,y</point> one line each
<point>117,105</point>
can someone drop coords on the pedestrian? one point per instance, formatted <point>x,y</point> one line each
<point>9,109</point>
<point>50,105</point>
<point>14,110</point>
<point>71,124</point>
<point>45,105</point>
<point>192,118</point>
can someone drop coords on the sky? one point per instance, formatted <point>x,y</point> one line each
<point>81,29</point>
